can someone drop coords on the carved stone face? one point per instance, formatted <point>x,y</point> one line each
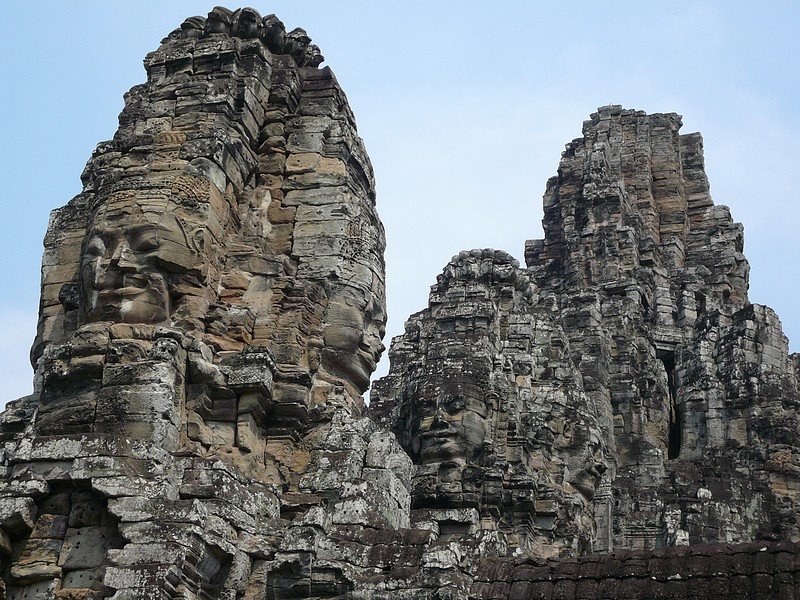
<point>588,477</point>
<point>127,261</point>
<point>119,281</point>
<point>353,336</point>
<point>219,20</point>
<point>246,22</point>
<point>451,425</point>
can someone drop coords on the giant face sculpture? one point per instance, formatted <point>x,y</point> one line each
<point>449,415</point>
<point>355,325</point>
<point>137,245</point>
<point>452,428</point>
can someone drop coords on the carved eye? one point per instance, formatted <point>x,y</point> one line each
<point>146,244</point>
<point>455,405</point>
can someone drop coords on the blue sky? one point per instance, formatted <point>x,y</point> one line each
<point>464,107</point>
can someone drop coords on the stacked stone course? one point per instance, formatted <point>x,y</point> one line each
<point>614,419</point>
<point>212,308</point>
<point>719,571</point>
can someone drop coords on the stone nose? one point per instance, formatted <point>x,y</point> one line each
<point>371,342</point>
<point>123,258</point>
<point>439,422</point>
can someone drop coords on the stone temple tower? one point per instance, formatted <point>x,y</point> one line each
<point>614,419</point>
<point>675,393</point>
<point>698,382</point>
<point>212,303</point>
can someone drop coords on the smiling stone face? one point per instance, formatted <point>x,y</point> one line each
<point>134,247</point>
<point>355,325</point>
<point>447,406</point>
<point>120,281</point>
<point>484,397</point>
<point>449,419</point>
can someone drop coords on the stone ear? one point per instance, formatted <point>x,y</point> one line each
<point>197,239</point>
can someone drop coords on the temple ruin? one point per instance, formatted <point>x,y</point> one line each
<point>613,419</point>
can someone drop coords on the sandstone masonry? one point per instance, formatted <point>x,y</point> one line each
<point>613,420</point>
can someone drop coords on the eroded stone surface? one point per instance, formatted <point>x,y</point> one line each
<point>212,308</point>
<point>484,397</point>
<point>653,292</point>
<point>644,377</point>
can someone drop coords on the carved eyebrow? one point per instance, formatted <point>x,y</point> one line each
<point>100,234</point>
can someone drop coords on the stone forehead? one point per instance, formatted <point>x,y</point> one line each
<point>122,207</point>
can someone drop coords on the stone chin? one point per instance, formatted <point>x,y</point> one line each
<point>367,363</point>
<point>133,311</point>
<point>357,368</point>
<point>351,358</point>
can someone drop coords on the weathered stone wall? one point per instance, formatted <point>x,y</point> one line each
<point>699,381</point>
<point>635,309</point>
<point>483,395</point>
<point>745,571</point>
<point>212,308</point>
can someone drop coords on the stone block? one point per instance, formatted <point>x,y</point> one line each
<point>40,589</point>
<point>49,526</point>
<point>38,561</point>
<point>85,547</point>
<point>86,581</point>
<point>17,515</point>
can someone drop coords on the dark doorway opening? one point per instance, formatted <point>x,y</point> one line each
<point>674,430</point>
